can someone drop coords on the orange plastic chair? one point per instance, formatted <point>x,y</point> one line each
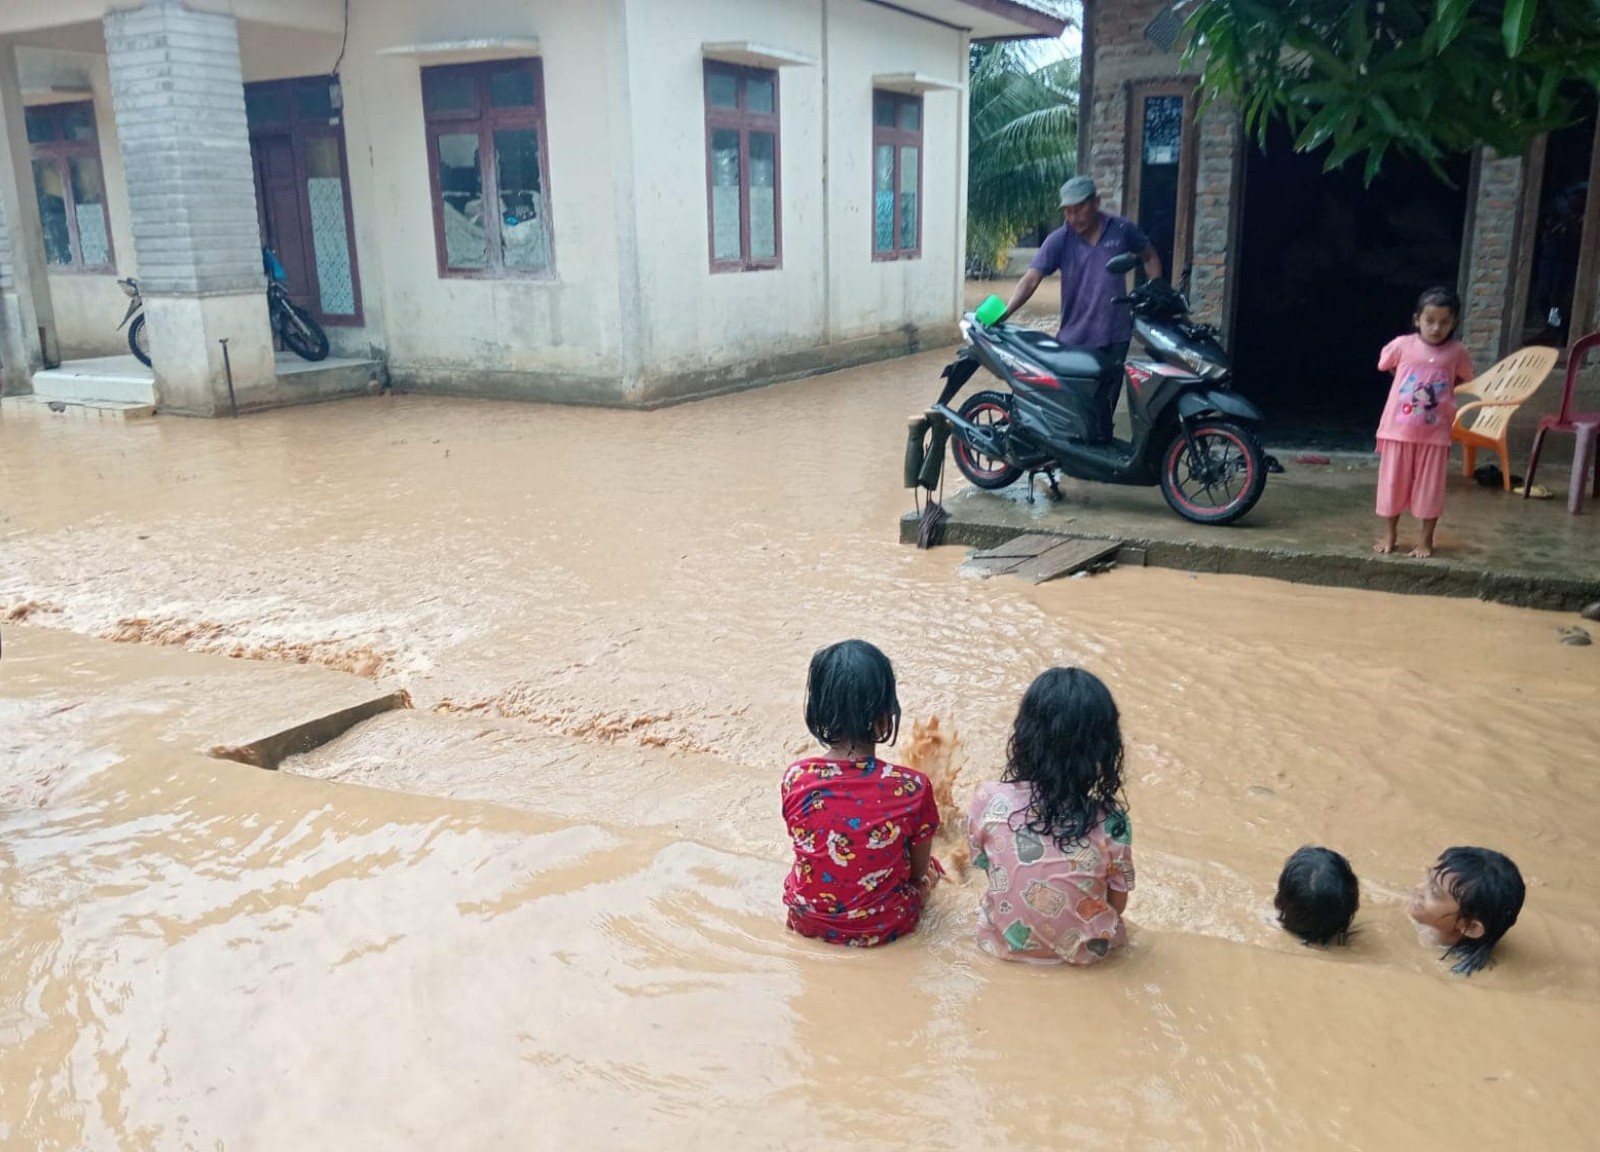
<point>1501,390</point>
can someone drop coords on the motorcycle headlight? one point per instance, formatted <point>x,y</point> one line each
<point>1200,364</point>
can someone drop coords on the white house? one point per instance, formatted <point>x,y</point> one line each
<point>612,201</point>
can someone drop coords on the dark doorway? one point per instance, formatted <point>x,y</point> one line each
<point>1558,234</point>
<point>302,194</point>
<point>1329,272</point>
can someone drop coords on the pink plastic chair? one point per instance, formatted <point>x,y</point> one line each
<point>1566,420</point>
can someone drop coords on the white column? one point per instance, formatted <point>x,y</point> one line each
<point>178,94</point>
<point>27,320</point>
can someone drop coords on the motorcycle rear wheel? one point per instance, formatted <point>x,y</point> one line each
<point>139,340</point>
<point>1221,480</point>
<point>303,336</point>
<point>988,410</point>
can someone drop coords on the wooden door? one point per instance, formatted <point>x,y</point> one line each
<point>284,227</point>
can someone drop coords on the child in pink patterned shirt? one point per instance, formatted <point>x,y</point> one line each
<point>1053,834</point>
<point>1414,434</point>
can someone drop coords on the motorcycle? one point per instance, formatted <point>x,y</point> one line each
<point>294,327</point>
<point>1191,434</point>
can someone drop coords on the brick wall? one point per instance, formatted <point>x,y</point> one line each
<point>1122,56</point>
<point>178,93</point>
<point>1486,277</point>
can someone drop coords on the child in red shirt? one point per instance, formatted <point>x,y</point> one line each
<point>1414,434</point>
<point>862,829</point>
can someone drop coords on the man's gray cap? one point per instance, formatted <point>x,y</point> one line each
<point>1076,191</point>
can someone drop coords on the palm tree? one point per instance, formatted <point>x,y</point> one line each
<point>1023,143</point>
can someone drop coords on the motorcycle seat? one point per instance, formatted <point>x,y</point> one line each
<point>1062,359</point>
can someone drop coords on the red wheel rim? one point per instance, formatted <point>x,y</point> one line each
<point>994,469</point>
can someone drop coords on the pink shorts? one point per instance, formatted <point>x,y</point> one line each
<point>1411,476</point>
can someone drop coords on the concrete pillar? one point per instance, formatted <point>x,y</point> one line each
<point>178,94</point>
<point>27,320</point>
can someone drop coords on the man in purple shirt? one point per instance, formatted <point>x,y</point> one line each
<point>1079,250</point>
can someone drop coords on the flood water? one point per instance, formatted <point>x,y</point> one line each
<point>541,909</point>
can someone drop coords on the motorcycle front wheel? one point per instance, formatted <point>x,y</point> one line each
<point>302,335</point>
<point>988,410</point>
<point>139,340</point>
<point>1220,480</point>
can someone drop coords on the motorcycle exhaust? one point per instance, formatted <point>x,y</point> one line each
<point>977,438</point>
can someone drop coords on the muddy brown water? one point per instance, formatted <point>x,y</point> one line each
<point>541,908</point>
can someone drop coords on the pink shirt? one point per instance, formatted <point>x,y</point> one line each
<point>1422,402</point>
<point>1043,905</point>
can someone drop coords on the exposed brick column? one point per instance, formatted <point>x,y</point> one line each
<point>1491,249</point>
<point>178,93</point>
<point>1220,156</point>
<point>27,319</point>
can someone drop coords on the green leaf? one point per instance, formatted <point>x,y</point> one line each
<point>1448,18</point>
<point>1374,162</point>
<point>1517,24</point>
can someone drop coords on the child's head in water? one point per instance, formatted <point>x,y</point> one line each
<point>1067,745</point>
<point>1466,902</point>
<point>850,697</point>
<point>1317,896</point>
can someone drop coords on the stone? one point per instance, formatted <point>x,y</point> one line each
<point>1578,637</point>
<point>1591,611</point>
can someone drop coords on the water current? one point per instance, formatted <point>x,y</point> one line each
<point>540,909</point>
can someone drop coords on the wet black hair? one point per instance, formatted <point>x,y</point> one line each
<point>1487,887</point>
<point>1441,297</point>
<point>849,688</point>
<point>1317,896</point>
<point>1067,745</point>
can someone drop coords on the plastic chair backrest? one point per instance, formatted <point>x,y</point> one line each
<point>1508,383</point>
<point>1575,355</point>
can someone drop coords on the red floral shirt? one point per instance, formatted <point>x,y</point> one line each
<point>853,823</point>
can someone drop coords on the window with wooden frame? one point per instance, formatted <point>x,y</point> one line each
<point>743,191</point>
<point>896,176</point>
<point>488,168</point>
<point>71,188</point>
<point>1161,169</point>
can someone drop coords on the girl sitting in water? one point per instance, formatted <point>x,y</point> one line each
<point>1053,834</point>
<point>862,829</point>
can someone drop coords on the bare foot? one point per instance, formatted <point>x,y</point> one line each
<point>1422,551</point>
<point>1383,547</point>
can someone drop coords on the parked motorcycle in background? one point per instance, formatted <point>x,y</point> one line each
<point>295,328</point>
<point>1191,434</point>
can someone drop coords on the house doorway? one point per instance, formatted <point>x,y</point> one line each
<point>1329,272</point>
<point>1558,274</point>
<point>303,195</point>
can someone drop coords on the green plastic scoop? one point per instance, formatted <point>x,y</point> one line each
<point>990,310</point>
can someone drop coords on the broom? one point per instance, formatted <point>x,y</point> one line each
<point>930,530</point>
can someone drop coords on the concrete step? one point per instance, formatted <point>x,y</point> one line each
<point>45,407</point>
<point>117,378</point>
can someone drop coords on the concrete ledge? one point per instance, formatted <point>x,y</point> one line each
<point>660,391</point>
<point>272,749</point>
<point>43,407</point>
<point>1233,555</point>
<point>309,382</point>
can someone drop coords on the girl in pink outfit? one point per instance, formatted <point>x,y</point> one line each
<point>1052,834</point>
<point>1414,434</point>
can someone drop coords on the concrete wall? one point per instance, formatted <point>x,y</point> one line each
<point>830,302</point>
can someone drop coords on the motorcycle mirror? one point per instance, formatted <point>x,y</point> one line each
<point>1123,264</point>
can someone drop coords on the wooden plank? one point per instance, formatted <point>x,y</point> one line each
<point>1020,547</point>
<point>1067,557</point>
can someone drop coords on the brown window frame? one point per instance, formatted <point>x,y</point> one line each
<point>487,120</point>
<point>60,152</point>
<point>299,127</point>
<point>743,121</point>
<point>898,138</point>
<point>1188,152</point>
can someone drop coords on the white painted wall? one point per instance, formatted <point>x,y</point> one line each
<point>569,328</point>
<point>868,296</point>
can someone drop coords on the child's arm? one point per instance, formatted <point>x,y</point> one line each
<point>920,855</point>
